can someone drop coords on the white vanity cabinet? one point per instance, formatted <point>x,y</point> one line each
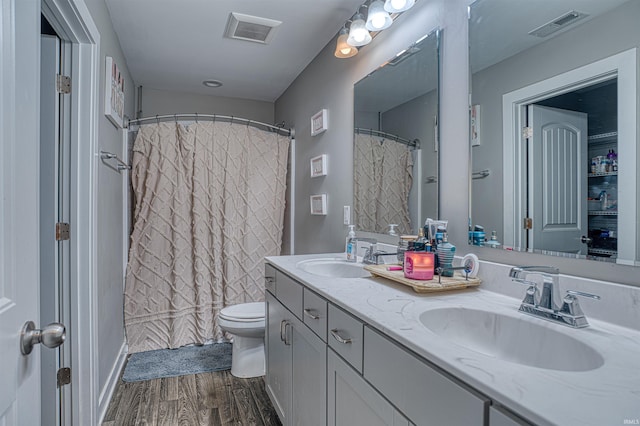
<point>296,357</point>
<point>425,395</point>
<point>354,402</point>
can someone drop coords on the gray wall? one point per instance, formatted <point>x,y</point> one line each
<point>109,220</point>
<point>328,83</point>
<point>599,38</point>
<point>158,102</point>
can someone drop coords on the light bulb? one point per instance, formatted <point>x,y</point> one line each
<point>397,6</point>
<point>346,50</point>
<point>358,34</point>
<point>378,19</point>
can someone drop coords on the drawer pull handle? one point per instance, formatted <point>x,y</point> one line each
<point>309,312</point>
<point>338,337</point>
<point>286,335</point>
<point>282,330</point>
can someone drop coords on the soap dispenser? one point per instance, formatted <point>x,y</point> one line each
<point>351,245</point>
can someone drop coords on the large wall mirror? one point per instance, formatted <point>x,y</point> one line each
<point>554,127</point>
<point>395,141</point>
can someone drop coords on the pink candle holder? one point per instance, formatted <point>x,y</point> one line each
<point>418,265</point>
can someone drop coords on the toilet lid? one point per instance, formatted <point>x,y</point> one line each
<point>253,310</point>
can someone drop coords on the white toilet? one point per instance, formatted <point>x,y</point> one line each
<point>246,323</point>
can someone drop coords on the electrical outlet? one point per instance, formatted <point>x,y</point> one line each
<point>347,215</point>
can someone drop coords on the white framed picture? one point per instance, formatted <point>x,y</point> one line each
<point>319,166</point>
<point>114,93</point>
<point>318,204</point>
<point>319,122</point>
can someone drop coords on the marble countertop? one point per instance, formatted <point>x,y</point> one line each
<point>608,395</point>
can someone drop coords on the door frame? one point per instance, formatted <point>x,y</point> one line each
<point>623,66</point>
<point>73,22</point>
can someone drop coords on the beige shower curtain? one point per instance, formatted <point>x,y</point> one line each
<point>209,205</point>
<point>383,174</point>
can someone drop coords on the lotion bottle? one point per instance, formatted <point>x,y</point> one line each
<point>351,245</point>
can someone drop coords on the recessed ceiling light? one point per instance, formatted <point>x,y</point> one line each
<point>212,83</point>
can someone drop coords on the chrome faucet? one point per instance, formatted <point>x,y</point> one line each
<point>371,256</point>
<point>549,305</point>
<point>372,242</point>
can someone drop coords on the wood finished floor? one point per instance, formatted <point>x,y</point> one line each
<point>215,398</point>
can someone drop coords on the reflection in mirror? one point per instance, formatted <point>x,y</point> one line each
<point>554,127</point>
<point>395,141</point>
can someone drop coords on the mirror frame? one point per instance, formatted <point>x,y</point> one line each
<point>580,267</point>
<point>438,33</point>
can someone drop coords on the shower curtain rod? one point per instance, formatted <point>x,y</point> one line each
<point>415,143</point>
<point>210,117</point>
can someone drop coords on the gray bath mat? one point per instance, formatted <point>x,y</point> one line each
<point>177,362</point>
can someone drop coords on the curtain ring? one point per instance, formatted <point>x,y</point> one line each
<point>231,119</point>
<point>196,118</point>
<point>157,120</point>
<point>175,118</point>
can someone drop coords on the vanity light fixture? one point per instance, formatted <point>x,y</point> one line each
<point>343,49</point>
<point>358,33</point>
<point>378,18</point>
<point>397,6</point>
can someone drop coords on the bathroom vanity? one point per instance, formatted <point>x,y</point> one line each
<point>366,351</point>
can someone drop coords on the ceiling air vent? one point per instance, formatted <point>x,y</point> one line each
<point>251,28</point>
<point>558,23</point>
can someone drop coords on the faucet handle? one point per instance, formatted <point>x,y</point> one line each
<point>583,294</point>
<point>570,303</point>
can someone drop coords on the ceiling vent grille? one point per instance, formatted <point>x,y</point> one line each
<point>558,23</point>
<point>251,28</point>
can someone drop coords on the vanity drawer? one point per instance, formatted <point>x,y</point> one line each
<point>345,333</point>
<point>289,292</point>
<point>314,313</point>
<point>270,278</point>
<point>423,394</point>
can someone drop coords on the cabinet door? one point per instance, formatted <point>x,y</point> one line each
<point>501,417</point>
<point>309,406</point>
<point>352,401</point>
<point>279,357</point>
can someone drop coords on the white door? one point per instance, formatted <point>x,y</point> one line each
<point>19,266</point>
<point>557,184</point>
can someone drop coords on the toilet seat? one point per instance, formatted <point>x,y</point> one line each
<point>244,312</point>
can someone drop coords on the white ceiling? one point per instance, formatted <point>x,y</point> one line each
<point>177,44</point>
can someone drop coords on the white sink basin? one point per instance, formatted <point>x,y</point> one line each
<point>334,268</point>
<point>513,339</point>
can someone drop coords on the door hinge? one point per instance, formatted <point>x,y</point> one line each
<point>64,376</point>
<point>527,132</point>
<point>528,223</point>
<point>62,231</point>
<point>63,84</point>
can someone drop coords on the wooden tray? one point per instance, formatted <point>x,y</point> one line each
<point>424,286</point>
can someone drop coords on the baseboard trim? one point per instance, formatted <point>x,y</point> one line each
<point>107,392</point>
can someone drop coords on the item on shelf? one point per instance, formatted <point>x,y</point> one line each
<point>445,251</point>
<point>419,265</point>
<point>403,245</point>
<point>471,262</point>
<point>493,242</point>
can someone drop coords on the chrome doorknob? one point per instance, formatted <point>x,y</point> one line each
<point>51,336</point>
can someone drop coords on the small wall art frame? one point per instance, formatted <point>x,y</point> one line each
<point>318,204</point>
<point>114,93</point>
<point>319,166</point>
<point>319,122</point>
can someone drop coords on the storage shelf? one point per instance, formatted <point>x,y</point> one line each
<point>603,251</point>
<point>593,175</point>
<point>603,138</point>
<point>603,213</point>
